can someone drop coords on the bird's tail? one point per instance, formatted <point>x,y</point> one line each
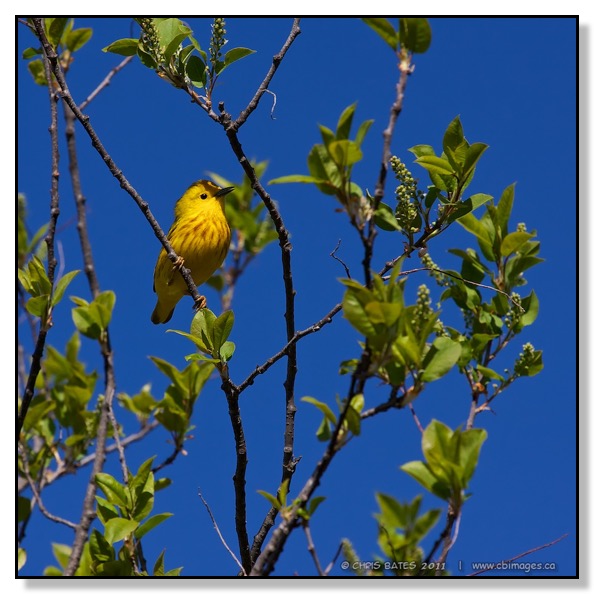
<point>162,313</point>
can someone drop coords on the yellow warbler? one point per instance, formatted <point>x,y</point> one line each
<point>200,236</point>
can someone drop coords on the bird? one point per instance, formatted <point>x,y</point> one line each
<point>200,236</point>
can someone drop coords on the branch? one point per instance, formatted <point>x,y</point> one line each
<point>106,81</point>
<point>51,258</point>
<point>239,476</point>
<point>89,267</point>
<point>241,569</point>
<point>231,128</point>
<point>544,546</point>
<point>37,494</point>
<point>296,337</point>
<point>115,171</point>
<point>70,468</point>
<point>406,70</point>
<point>312,549</point>
<point>276,60</point>
<point>265,563</point>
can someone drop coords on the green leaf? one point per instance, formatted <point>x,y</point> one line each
<point>422,474</point>
<point>482,231</point>
<point>531,306</point>
<point>31,51</point>
<point>322,167</point>
<point>297,178</point>
<point>226,351</point>
<point>384,29</point>
<point>159,567</point>
<point>442,356</point>
<point>38,306</point>
<point>197,341</point>
<point>202,327</point>
<point>422,150</point>
<point>326,410</point>
<point>87,322</point>
<point>123,47</point>
<point>37,71</point>
<point>489,373</point>
<point>55,30</point>
<point>151,523</point>
<point>345,153</point>
<point>362,132</point>
<point>171,32</point>
<point>353,419</point>
<point>471,442</point>
<point>196,71</point>
<point>468,205</point>
<point>62,285</point>
<point>271,499</point>
<point>114,491</point>
<point>345,121</point>
<point>101,551</point>
<point>454,135</point>
<point>62,554</point>
<point>504,208</point>
<point>314,504</point>
<point>237,53</point>
<point>385,219</point>
<point>77,38</point>
<point>162,483</point>
<point>105,302</point>
<point>415,34</point>
<point>473,154</point>
<point>221,329</point>
<point>23,508</point>
<point>383,313</point>
<point>119,528</point>
<point>21,558</point>
<point>324,432</point>
<point>435,164</point>
<point>514,241</point>
<point>105,510</point>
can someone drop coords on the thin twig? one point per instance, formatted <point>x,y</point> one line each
<point>331,564</point>
<point>171,458</point>
<point>534,550</point>
<point>260,369</point>
<point>460,278</point>
<point>105,82</point>
<point>416,419</point>
<point>37,495</point>
<point>214,523</point>
<point>276,60</point>
<point>312,549</point>
<point>332,255</point>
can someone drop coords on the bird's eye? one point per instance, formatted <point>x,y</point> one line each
<point>204,196</point>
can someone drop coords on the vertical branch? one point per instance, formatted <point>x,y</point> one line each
<point>89,267</point>
<point>231,128</point>
<point>232,395</point>
<point>288,464</point>
<point>49,240</point>
<point>406,70</point>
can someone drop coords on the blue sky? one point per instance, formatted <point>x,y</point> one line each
<point>512,81</point>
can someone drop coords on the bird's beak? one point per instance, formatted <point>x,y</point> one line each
<point>224,191</point>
